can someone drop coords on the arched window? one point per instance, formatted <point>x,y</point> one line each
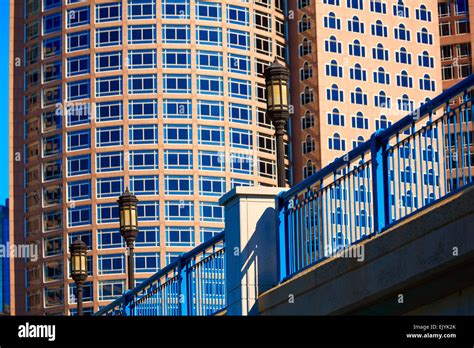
<point>355,25</point>
<point>357,73</point>
<point>303,3</point>
<point>358,97</point>
<point>309,145</point>
<point>403,80</point>
<point>424,37</point>
<point>402,33</point>
<point>309,169</point>
<point>306,72</point>
<point>336,143</point>
<point>427,84</point>
<point>358,141</point>
<point>334,93</point>
<point>307,96</point>
<point>360,121</point>
<point>335,118</point>
<point>307,120</point>
<point>333,69</point>
<point>332,45</point>
<point>305,47</point>
<point>423,14</point>
<point>380,52</point>
<point>402,56</point>
<point>378,29</point>
<point>382,101</point>
<point>401,10</point>
<point>380,76</point>
<point>331,21</point>
<point>356,49</point>
<point>382,123</point>
<point>304,24</point>
<point>425,60</point>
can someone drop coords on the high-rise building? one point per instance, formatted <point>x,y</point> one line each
<point>357,66</point>
<point>456,40</point>
<point>165,97</point>
<point>5,260</point>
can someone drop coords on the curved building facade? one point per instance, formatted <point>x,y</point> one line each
<point>165,97</point>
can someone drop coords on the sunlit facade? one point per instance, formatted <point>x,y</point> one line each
<point>165,97</point>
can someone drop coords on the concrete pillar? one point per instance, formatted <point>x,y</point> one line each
<point>251,246</point>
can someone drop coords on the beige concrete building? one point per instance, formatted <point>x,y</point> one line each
<point>363,64</point>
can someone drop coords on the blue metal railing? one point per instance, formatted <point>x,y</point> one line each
<point>194,284</point>
<point>417,161</point>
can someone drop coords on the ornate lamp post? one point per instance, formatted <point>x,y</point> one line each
<point>129,229</point>
<point>277,76</point>
<point>78,250</point>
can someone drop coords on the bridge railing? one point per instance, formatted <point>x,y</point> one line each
<point>422,158</point>
<point>194,284</point>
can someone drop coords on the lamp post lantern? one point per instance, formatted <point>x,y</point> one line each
<point>129,229</point>
<point>78,250</point>
<point>277,77</point>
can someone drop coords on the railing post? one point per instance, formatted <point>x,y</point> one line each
<point>282,227</point>
<point>183,297</point>
<point>380,182</point>
<point>126,304</point>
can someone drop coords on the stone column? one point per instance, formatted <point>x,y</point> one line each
<point>251,246</point>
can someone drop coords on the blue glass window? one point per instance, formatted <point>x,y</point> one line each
<point>238,39</point>
<point>141,34</point>
<point>78,16</point>
<point>52,47</point>
<point>79,216</point>
<point>179,185</point>
<point>239,64</point>
<point>141,9</point>
<point>147,262</point>
<point>142,59</point>
<point>79,165</point>
<point>210,110</point>
<point>109,187</point>
<point>209,36</point>
<point>211,160</point>
<point>209,60</point>
<point>177,236</point>
<point>144,160</point>
<point>109,136</point>
<point>211,85</point>
<point>211,186</point>
<point>108,61</point>
<point>175,33</point>
<point>178,159</point>
<point>78,41</point>
<point>177,134</point>
<point>109,161</point>
<point>108,12</point>
<point>78,90</point>
<point>110,111</point>
<point>78,65</point>
<point>142,109</point>
<point>176,59</point>
<point>179,210</point>
<point>148,211</point>
<point>144,185</point>
<point>111,264</point>
<point>175,9</point>
<point>52,23</point>
<point>176,83</point>
<point>143,134</point>
<point>211,135</point>
<point>107,213</point>
<point>79,190</point>
<point>106,86</point>
<point>237,15</point>
<point>79,140</point>
<point>109,36</point>
<point>142,84</point>
<point>209,11</point>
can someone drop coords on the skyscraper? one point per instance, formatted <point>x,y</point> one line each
<point>165,97</point>
<point>456,40</point>
<point>357,66</point>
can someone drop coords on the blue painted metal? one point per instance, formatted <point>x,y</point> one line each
<point>417,161</point>
<point>187,286</point>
